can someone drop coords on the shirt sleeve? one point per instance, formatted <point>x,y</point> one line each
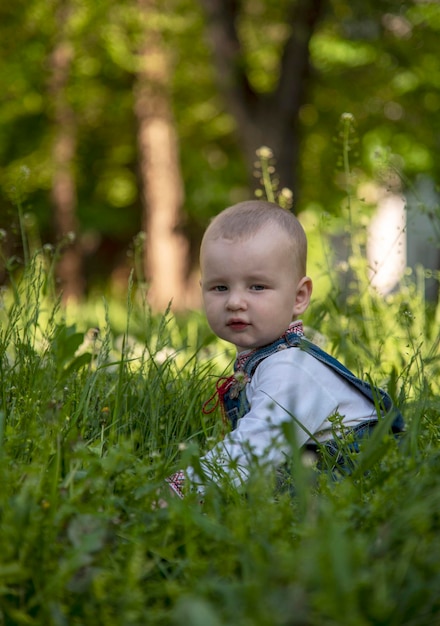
<point>289,385</point>
<point>282,386</point>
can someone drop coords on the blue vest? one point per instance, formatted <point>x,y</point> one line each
<point>234,398</point>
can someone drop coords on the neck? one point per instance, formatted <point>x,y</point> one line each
<point>295,328</point>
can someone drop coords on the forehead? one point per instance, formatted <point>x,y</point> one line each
<point>265,235</point>
<point>260,251</point>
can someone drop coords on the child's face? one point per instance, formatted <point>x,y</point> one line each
<point>251,291</point>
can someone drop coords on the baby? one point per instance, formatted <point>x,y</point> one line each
<point>254,283</point>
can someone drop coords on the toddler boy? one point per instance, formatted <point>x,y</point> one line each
<point>254,283</point>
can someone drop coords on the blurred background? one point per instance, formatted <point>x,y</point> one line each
<point>125,126</point>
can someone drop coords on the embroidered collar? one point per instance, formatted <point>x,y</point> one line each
<point>294,327</point>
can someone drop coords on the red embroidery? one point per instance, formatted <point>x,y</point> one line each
<point>177,482</point>
<point>222,386</point>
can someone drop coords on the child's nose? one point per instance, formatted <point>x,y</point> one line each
<point>236,301</point>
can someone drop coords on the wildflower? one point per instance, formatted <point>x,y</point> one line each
<point>93,333</point>
<point>285,198</point>
<point>286,193</point>
<point>2,234</point>
<point>25,171</point>
<point>347,117</point>
<point>264,153</point>
<point>91,342</point>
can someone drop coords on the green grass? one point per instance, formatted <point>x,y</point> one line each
<point>91,423</point>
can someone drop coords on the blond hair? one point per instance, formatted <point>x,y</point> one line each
<point>244,219</point>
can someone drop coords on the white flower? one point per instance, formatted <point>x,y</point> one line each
<point>264,153</point>
<point>347,117</point>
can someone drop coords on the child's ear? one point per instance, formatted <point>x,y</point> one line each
<point>303,295</point>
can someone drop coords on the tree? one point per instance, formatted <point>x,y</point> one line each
<point>265,118</point>
<point>374,60</point>
<point>165,249</point>
<point>63,191</point>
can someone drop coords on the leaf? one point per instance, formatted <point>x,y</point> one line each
<point>77,364</point>
<point>87,533</point>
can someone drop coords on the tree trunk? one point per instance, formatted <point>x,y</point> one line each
<point>63,192</point>
<point>270,120</point>
<point>166,248</point>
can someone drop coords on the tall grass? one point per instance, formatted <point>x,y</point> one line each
<point>91,421</point>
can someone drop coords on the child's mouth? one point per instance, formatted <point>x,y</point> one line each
<point>237,325</point>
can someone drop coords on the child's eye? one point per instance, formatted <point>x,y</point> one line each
<point>219,288</point>
<point>257,287</point>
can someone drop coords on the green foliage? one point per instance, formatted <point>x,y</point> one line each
<point>99,403</point>
<point>375,60</point>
